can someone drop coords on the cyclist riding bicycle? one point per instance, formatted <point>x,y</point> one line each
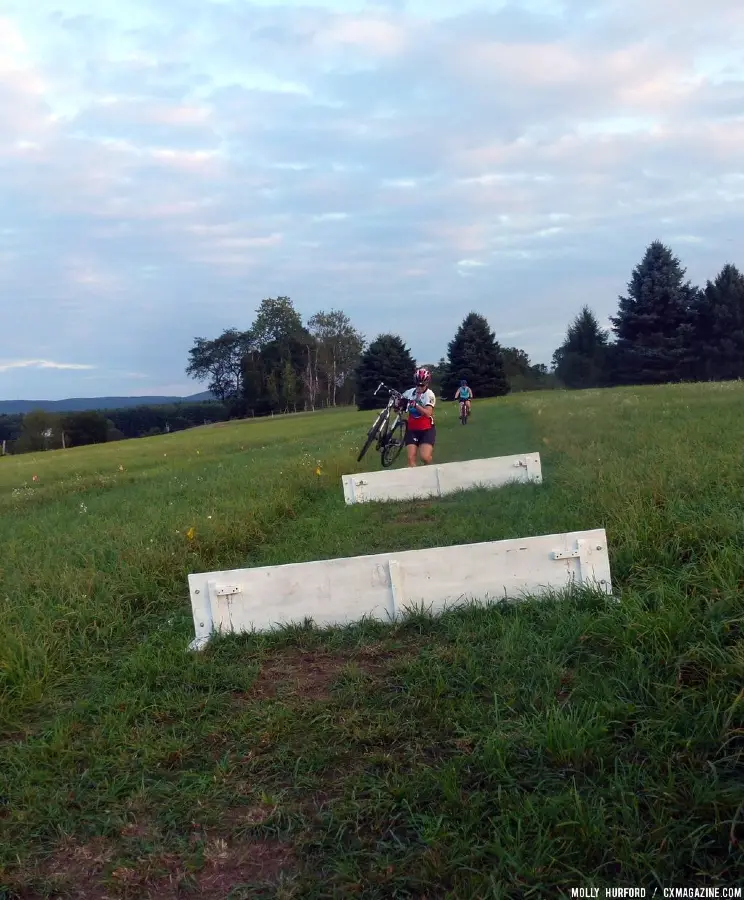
<point>421,432</point>
<point>464,394</point>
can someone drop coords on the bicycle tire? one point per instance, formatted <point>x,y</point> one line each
<point>367,445</point>
<point>391,450</point>
<point>383,433</point>
<point>371,436</point>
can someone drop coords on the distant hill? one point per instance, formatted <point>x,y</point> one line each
<point>78,404</point>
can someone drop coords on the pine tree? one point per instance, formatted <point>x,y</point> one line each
<point>581,360</point>
<point>719,327</point>
<point>654,322</point>
<point>474,354</point>
<point>386,359</point>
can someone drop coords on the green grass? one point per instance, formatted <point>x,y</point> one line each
<point>502,752</point>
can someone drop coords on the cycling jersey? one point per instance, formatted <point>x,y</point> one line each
<point>417,420</point>
<point>464,393</point>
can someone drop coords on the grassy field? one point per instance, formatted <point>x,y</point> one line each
<point>492,753</point>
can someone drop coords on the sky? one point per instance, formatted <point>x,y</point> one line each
<point>165,165</point>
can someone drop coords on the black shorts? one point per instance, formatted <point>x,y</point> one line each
<point>420,437</point>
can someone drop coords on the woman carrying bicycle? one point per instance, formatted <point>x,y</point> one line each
<point>421,432</point>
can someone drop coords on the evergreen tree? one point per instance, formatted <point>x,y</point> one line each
<point>475,354</point>
<point>386,359</point>
<point>654,322</point>
<point>581,360</point>
<point>719,327</point>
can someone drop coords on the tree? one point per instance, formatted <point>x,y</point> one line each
<point>254,385</point>
<point>475,354</point>
<point>276,322</point>
<point>719,327</point>
<point>339,346</point>
<point>581,360</point>
<point>278,370</point>
<point>522,374</point>
<point>11,427</point>
<point>290,393</point>
<point>386,359</point>
<point>41,430</point>
<point>87,427</point>
<point>516,362</point>
<point>654,321</point>
<point>220,361</point>
<point>113,433</point>
<point>279,363</point>
<point>279,335</point>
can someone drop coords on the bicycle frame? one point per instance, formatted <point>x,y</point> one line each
<point>464,411</point>
<point>385,428</point>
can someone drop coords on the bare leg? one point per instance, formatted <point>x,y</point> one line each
<point>427,451</point>
<point>411,450</point>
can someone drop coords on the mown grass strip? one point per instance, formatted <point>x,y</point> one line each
<point>503,752</point>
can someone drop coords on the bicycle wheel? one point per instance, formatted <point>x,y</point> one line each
<point>383,434</point>
<point>371,435</point>
<point>393,446</point>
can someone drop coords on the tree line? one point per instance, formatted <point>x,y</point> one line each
<point>43,430</point>
<point>473,354</point>
<point>665,330</point>
<point>281,364</point>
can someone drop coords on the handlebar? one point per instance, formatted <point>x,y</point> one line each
<point>382,385</point>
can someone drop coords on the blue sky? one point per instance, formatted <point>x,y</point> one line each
<point>164,166</point>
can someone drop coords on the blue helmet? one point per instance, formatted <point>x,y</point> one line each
<point>463,382</point>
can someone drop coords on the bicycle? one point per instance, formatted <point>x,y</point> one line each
<point>464,413</point>
<point>389,439</point>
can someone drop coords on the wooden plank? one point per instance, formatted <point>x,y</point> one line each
<point>337,592</point>
<point>437,480</point>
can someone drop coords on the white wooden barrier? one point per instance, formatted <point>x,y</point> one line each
<point>436,480</point>
<point>341,591</point>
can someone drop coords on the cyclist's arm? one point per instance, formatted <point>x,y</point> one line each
<point>403,401</point>
<point>428,411</point>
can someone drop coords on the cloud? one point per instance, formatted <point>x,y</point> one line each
<point>162,171</point>
<point>40,364</point>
